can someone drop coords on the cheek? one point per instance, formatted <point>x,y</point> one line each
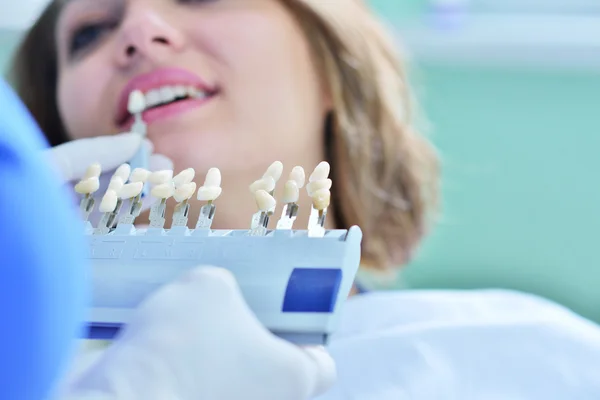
<point>277,66</point>
<point>269,78</point>
<point>80,92</point>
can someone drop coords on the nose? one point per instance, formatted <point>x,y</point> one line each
<point>146,34</point>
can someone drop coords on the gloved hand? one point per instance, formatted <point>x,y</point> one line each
<point>196,339</point>
<point>72,159</point>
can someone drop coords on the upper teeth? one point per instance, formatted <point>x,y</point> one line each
<point>167,94</point>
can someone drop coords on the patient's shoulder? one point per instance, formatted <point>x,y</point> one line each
<point>381,310</point>
<point>465,345</point>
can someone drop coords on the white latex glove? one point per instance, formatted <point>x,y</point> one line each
<point>72,159</point>
<point>196,339</point>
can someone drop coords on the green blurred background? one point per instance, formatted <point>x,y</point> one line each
<point>512,103</point>
<point>516,123</point>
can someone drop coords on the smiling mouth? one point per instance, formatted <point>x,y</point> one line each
<point>168,96</point>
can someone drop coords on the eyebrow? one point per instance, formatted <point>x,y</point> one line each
<point>87,3</point>
<point>67,2</point>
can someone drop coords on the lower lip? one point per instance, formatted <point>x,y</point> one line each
<point>169,110</point>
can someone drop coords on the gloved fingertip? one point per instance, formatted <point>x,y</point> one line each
<point>326,374</point>
<point>149,145</point>
<point>212,278</point>
<point>203,273</point>
<point>110,151</point>
<point>158,162</point>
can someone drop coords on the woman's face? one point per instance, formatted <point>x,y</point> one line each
<point>231,82</point>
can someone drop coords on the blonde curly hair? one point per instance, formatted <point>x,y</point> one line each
<point>385,173</point>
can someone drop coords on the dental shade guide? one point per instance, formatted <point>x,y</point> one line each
<point>182,195</point>
<point>291,193</point>
<point>295,281</point>
<point>184,177</point>
<point>267,184</point>
<point>133,191</point>
<point>136,106</point>
<point>111,204</point>
<point>266,206</point>
<point>318,189</point>
<point>321,199</point>
<point>274,171</point>
<point>209,192</point>
<point>163,190</point>
<point>184,190</point>
<point>110,207</point>
<point>87,187</point>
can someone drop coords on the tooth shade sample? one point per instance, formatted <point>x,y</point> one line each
<point>321,199</point>
<point>88,186</point>
<point>209,193</point>
<point>160,177</point>
<point>264,201</point>
<point>321,172</point>
<point>318,185</point>
<point>299,176</point>
<point>163,191</point>
<point>184,192</point>
<point>93,171</point>
<point>109,202</point>
<point>136,103</point>
<point>213,177</point>
<point>267,184</point>
<point>291,192</point>
<point>139,175</point>
<point>131,190</point>
<point>274,171</point>
<point>116,184</point>
<point>184,177</point>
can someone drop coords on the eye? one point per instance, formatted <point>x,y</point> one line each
<point>87,35</point>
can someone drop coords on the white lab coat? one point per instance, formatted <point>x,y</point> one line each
<point>463,345</point>
<point>460,345</point>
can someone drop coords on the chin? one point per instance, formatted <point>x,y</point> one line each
<point>203,150</point>
<point>186,158</point>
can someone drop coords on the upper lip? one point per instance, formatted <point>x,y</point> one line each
<point>156,79</point>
